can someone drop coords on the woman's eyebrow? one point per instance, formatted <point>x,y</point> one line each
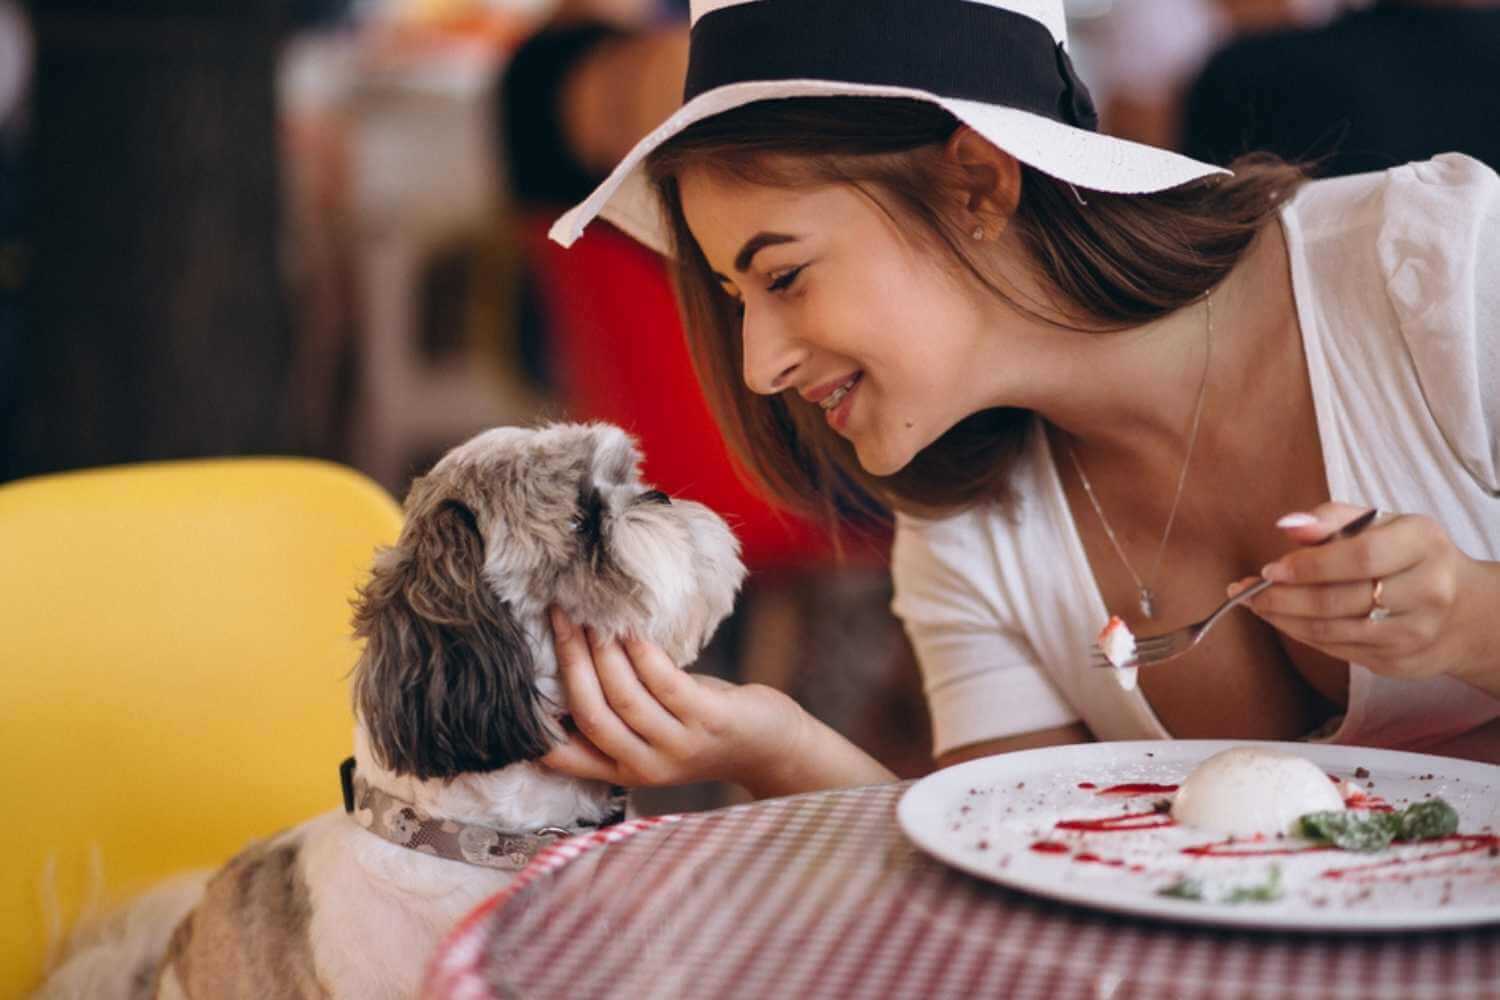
<point>755,245</point>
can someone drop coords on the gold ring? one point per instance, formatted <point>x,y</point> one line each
<point>1378,612</point>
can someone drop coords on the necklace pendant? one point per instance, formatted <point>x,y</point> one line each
<point>1148,603</point>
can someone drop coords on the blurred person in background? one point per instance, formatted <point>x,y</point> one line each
<point>1398,81</point>
<point>1139,56</point>
<point>579,93</point>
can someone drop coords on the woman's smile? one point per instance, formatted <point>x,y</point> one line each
<point>836,404</point>
<point>830,293</point>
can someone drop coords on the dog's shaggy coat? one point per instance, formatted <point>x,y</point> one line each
<point>456,696</point>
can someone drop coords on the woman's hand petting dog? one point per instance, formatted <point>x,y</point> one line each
<point>639,720</point>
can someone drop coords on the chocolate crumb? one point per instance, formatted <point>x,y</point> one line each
<point>984,845</point>
<point>1161,806</point>
<point>1369,784</point>
<point>1495,850</point>
<point>1361,772</point>
<point>1020,784</point>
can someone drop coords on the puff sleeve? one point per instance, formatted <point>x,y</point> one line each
<point>982,678</point>
<point>1440,256</point>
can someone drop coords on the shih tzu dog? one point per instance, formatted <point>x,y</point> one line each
<point>456,696</point>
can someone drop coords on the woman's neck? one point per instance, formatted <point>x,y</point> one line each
<point>1131,395</point>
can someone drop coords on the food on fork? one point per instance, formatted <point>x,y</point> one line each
<point>1246,791</point>
<point>1118,645</point>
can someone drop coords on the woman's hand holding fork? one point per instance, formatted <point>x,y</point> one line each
<point>1399,598</point>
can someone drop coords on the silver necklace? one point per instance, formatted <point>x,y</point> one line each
<point>1147,596</point>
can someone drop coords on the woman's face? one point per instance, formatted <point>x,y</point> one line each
<point>844,312</point>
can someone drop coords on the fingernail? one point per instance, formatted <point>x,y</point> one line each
<point>1275,572</point>
<point>1234,588</point>
<point>1297,520</point>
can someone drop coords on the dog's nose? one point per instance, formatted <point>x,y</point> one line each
<point>653,496</point>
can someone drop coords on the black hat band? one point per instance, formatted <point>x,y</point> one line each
<point>948,48</point>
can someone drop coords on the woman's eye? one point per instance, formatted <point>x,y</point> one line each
<point>785,279</point>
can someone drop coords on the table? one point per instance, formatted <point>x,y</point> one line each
<point>821,895</point>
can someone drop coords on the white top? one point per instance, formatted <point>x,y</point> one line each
<point>1398,298</point>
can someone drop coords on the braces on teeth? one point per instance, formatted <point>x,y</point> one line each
<point>837,396</point>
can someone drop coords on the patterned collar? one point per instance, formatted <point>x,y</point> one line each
<point>405,824</point>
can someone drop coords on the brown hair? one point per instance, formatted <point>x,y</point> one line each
<point>1109,261</point>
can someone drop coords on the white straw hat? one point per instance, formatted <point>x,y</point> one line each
<point>1000,66</point>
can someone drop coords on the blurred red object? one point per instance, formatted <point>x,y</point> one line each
<point>618,354</point>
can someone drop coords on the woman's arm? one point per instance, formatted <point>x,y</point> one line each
<point>641,721</point>
<point>1480,667</point>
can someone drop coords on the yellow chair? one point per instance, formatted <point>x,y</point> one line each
<point>174,652</point>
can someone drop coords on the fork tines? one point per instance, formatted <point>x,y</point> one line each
<point>1146,651</point>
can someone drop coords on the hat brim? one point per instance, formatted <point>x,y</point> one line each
<point>1079,156</point>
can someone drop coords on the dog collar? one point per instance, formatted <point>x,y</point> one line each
<point>403,823</point>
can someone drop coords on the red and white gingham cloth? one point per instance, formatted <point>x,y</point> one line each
<point>822,896</point>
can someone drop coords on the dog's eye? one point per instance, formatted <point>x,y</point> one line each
<point>590,521</point>
<point>653,496</point>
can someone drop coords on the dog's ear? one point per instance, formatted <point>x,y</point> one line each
<point>445,685</point>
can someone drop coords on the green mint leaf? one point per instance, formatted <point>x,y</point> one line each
<point>1267,892</point>
<point>1357,831</point>
<point>1350,831</point>
<point>1184,888</point>
<point>1428,820</point>
<point>1192,889</point>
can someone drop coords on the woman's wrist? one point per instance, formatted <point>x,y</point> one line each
<point>789,751</point>
<point>1480,666</point>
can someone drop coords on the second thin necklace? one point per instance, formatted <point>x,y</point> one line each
<point>1143,587</point>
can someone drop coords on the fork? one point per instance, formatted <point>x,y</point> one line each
<point>1151,650</point>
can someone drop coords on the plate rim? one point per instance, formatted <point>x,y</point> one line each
<point>1182,911</point>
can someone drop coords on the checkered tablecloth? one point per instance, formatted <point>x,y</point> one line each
<point>822,896</point>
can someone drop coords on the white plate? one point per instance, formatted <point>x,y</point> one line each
<point>984,816</point>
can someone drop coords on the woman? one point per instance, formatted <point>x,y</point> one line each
<point>1089,378</point>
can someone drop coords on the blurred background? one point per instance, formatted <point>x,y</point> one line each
<point>316,227</point>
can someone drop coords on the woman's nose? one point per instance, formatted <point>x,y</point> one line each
<point>772,354</point>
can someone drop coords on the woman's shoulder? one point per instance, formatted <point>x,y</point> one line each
<point>1424,232</point>
<point>1428,196</point>
<point>1441,234</point>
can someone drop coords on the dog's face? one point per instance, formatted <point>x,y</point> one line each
<point>458,673</point>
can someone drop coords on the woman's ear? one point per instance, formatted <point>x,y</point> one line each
<point>990,181</point>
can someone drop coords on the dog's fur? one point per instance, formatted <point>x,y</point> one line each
<point>456,695</point>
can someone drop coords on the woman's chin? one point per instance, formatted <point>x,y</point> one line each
<point>879,460</point>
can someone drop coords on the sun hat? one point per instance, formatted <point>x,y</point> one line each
<point>1000,66</point>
